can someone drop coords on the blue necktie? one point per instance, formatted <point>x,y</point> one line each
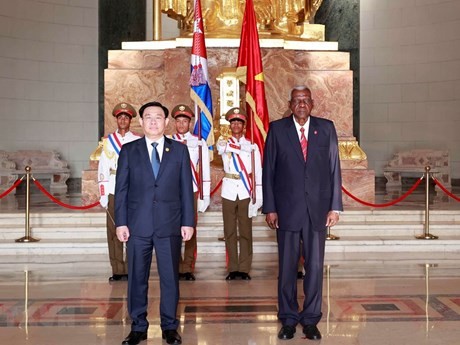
<point>155,159</point>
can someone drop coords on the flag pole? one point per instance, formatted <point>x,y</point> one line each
<point>200,153</point>
<point>253,163</point>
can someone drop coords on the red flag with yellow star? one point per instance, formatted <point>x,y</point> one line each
<point>250,72</point>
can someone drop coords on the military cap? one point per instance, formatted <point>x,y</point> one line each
<point>236,114</point>
<point>124,108</point>
<point>182,110</point>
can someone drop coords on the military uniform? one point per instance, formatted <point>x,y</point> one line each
<point>237,206</point>
<point>106,178</point>
<point>187,263</point>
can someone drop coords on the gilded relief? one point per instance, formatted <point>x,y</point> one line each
<point>223,18</point>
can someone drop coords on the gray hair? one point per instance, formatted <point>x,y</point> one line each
<point>298,88</point>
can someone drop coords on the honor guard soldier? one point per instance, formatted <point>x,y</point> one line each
<point>237,204</point>
<point>107,170</point>
<point>182,115</point>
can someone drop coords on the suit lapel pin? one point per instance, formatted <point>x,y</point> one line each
<point>315,132</point>
<point>167,149</point>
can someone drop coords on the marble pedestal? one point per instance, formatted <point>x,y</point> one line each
<point>160,71</point>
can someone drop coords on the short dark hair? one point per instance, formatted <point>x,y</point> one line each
<point>153,104</point>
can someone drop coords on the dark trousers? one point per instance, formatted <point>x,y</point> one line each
<point>187,264</point>
<point>117,258</point>
<point>290,243</point>
<point>237,222</point>
<point>167,251</point>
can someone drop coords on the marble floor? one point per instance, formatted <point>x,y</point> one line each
<point>406,299</point>
<point>369,299</point>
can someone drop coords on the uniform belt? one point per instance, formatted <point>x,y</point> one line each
<point>113,171</point>
<point>235,176</point>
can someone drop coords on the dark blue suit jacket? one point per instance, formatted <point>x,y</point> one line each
<point>148,205</point>
<point>295,189</point>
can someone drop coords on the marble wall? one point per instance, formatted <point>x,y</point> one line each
<point>139,76</point>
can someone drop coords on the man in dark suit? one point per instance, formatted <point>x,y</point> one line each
<point>301,183</point>
<point>154,209</point>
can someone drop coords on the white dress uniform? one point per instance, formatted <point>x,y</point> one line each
<point>108,163</point>
<point>188,259</point>
<point>106,178</point>
<point>237,206</point>
<point>193,145</point>
<point>233,185</point>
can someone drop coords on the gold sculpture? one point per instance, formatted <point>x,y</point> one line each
<point>223,18</point>
<point>350,150</point>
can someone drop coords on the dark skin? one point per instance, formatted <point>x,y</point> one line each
<point>182,124</point>
<point>123,123</point>
<point>237,128</point>
<point>301,105</point>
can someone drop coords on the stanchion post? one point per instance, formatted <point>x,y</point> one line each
<point>331,237</point>
<point>27,237</point>
<point>426,235</point>
<point>328,290</point>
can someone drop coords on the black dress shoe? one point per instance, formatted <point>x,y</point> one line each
<point>300,275</point>
<point>189,276</point>
<point>232,275</point>
<point>245,276</point>
<point>118,277</point>
<point>171,336</point>
<point>134,338</point>
<point>312,332</point>
<point>181,276</point>
<point>286,332</point>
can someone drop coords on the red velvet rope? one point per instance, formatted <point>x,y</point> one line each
<point>60,203</point>
<point>8,191</point>
<point>391,203</point>
<point>445,190</point>
<point>216,188</point>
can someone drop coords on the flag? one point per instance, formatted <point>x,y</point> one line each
<point>200,92</point>
<point>250,72</point>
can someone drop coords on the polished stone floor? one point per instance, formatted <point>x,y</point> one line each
<point>369,298</point>
<point>405,299</point>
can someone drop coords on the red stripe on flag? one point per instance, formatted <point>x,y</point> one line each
<point>249,55</point>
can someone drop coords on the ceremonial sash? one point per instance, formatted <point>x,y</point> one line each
<point>195,176</point>
<point>115,142</point>
<point>241,169</point>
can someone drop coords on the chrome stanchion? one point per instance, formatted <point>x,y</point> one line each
<point>426,235</point>
<point>27,237</point>
<point>331,237</point>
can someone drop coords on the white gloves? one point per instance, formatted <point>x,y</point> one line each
<point>248,147</point>
<point>253,208</point>
<point>203,204</point>
<point>104,201</point>
<point>193,142</point>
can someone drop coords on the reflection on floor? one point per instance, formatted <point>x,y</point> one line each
<point>405,299</point>
<point>369,298</point>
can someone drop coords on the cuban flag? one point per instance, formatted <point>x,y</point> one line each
<point>200,92</point>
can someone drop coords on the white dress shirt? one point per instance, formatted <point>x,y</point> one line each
<point>160,147</point>
<point>306,126</point>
